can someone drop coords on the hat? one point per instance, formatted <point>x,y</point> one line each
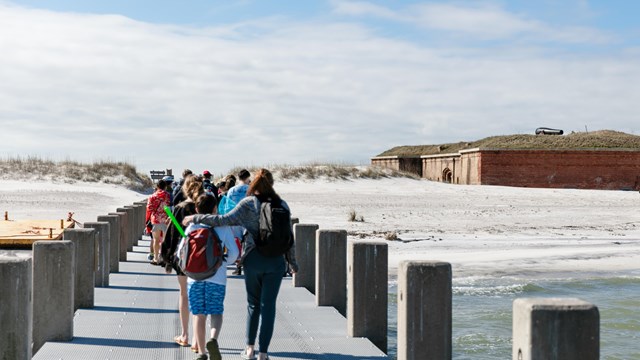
<point>168,178</point>
<point>206,172</point>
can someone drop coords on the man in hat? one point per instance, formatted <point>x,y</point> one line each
<point>208,185</point>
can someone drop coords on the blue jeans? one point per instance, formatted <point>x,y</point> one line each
<point>262,279</point>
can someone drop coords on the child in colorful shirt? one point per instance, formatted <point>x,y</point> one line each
<point>206,297</point>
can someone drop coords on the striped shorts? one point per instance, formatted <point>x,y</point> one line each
<point>206,298</point>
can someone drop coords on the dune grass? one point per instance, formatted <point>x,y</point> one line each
<point>328,171</point>
<point>68,171</point>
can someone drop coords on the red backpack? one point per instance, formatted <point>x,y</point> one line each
<point>202,254</point>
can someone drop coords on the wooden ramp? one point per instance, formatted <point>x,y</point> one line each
<point>23,233</point>
<point>136,317</point>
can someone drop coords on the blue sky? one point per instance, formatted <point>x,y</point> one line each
<point>219,84</point>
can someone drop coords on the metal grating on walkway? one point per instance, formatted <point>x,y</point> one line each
<point>136,317</point>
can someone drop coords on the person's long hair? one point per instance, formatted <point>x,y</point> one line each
<point>192,187</point>
<point>262,186</point>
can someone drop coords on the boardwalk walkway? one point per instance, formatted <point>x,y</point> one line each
<point>136,317</point>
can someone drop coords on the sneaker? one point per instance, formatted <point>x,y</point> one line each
<point>245,355</point>
<point>214,349</point>
<point>150,257</point>
<point>201,357</point>
<point>237,271</point>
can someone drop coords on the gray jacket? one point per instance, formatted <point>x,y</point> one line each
<point>247,215</point>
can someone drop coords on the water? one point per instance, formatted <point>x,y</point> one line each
<point>482,309</point>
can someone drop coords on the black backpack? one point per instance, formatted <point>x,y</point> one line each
<point>275,237</point>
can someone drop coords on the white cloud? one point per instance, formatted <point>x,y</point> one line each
<point>364,8</point>
<point>479,20</point>
<point>486,22</point>
<point>91,87</point>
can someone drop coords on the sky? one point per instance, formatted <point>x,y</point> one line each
<point>223,84</point>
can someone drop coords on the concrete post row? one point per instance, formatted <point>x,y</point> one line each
<point>84,249</point>
<point>53,288</point>
<point>114,241</point>
<point>367,291</point>
<point>122,229</point>
<point>424,310</point>
<point>102,251</point>
<point>555,329</point>
<point>304,236</point>
<point>16,315</point>
<point>130,218</point>
<point>331,269</point>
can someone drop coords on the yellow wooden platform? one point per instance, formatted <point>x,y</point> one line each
<point>23,233</point>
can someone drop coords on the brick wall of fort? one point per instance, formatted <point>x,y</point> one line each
<point>580,169</point>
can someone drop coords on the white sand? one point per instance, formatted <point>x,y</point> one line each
<point>481,230</point>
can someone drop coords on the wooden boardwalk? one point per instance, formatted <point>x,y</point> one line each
<point>23,233</point>
<point>136,317</point>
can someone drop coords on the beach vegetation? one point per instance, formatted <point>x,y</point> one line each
<point>330,171</point>
<point>69,171</point>
<point>354,217</point>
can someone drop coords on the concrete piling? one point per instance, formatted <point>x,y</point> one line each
<point>129,222</point>
<point>53,291</point>
<point>84,261</point>
<point>114,241</point>
<point>134,225</point>
<point>139,213</point>
<point>424,310</point>
<point>367,291</point>
<point>16,314</point>
<point>555,329</point>
<point>331,269</point>
<point>122,229</point>
<point>142,211</point>
<point>102,251</point>
<point>304,236</point>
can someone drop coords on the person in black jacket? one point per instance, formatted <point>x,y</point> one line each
<point>178,195</point>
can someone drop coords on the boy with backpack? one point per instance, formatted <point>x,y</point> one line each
<point>202,259</point>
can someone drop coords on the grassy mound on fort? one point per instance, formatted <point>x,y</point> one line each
<point>36,168</point>
<point>603,139</point>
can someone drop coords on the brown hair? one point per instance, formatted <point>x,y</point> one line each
<point>262,184</point>
<point>230,180</point>
<point>192,187</point>
<point>205,204</point>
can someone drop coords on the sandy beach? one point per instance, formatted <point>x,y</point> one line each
<point>480,230</point>
<point>503,243</point>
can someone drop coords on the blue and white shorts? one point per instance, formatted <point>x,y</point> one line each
<point>206,298</point>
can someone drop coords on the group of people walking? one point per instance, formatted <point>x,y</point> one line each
<point>233,211</point>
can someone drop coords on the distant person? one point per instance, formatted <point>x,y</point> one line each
<point>239,191</point>
<point>206,297</point>
<point>209,187</point>
<point>225,184</point>
<point>235,194</point>
<point>156,219</point>
<point>178,195</point>
<point>222,187</point>
<point>191,189</point>
<point>169,189</point>
<point>263,274</point>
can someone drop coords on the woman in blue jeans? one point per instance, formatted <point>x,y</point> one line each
<point>263,274</point>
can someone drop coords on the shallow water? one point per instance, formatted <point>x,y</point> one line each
<point>482,309</point>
